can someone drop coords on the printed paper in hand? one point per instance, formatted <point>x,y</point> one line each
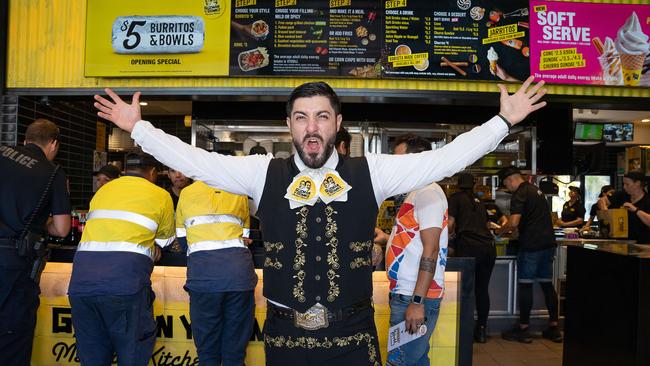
<point>399,336</point>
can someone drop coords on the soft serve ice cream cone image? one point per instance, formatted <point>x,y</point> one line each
<point>493,57</point>
<point>632,45</point>
<point>610,61</point>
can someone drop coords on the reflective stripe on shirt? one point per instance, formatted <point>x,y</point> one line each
<point>114,246</point>
<point>212,219</point>
<point>164,242</point>
<point>131,217</point>
<point>181,232</point>
<point>214,244</point>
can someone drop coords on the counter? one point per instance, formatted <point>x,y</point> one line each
<point>504,312</point>
<point>607,318</point>
<point>54,344</point>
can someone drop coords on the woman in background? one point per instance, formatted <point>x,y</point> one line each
<point>468,219</point>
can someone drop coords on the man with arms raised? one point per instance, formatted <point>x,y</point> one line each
<point>318,270</point>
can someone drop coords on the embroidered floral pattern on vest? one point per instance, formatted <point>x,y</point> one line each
<point>360,262</point>
<point>299,259</point>
<point>359,246</point>
<point>312,343</point>
<point>332,256</point>
<point>272,262</point>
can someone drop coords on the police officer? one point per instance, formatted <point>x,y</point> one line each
<point>26,171</point>
<point>220,273</point>
<point>130,219</point>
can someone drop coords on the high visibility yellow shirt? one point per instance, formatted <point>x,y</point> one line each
<point>129,214</point>
<point>211,218</point>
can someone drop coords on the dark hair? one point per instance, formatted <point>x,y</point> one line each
<point>314,89</point>
<point>343,136</point>
<point>257,150</point>
<point>636,176</point>
<point>604,189</point>
<point>414,143</point>
<point>42,132</point>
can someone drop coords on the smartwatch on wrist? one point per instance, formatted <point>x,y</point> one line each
<point>417,299</point>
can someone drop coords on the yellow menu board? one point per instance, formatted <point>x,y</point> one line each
<point>157,38</point>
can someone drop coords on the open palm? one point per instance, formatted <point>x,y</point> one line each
<point>124,115</point>
<point>524,101</point>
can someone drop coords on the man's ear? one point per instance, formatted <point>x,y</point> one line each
<point>339,120</point>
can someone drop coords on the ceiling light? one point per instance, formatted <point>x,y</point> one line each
<point>645,120</point>
<point>144,103</point>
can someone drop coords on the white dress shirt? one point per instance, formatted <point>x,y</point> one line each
<point>390,174</point>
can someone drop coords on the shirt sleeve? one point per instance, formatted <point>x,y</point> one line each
<point>60,197</point>
<point>396,174</point>
<point>518,202</point>
<point>430,207</point>
<point>236,174</point>
<point>166,229</point>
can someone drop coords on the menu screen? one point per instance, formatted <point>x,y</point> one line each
<point>301,38</point>
<point>457,39</point>
<point>452,39</point>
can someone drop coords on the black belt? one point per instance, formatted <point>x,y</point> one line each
<point>332,316</point>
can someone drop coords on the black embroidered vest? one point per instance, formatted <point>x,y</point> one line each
<point>319,253</point>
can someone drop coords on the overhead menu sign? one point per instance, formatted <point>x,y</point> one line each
<point>586,43</point>
<point>306,37</point>
<point>157,38</point>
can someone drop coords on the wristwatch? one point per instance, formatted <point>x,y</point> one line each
<point>417,299</point>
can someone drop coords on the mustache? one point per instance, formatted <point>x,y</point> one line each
<point>314,135</point>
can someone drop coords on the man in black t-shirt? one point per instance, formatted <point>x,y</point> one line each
<point>531,215</point>
<point>638,207</point>
<point>26,171</point>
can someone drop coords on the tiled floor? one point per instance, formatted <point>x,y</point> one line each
<point>497,352</point>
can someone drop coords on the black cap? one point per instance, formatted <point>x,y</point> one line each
<point>109,170</point>
<point>465,180</point>
<point>635,175</point>
<point>506,172</point>
<point>140,160</point>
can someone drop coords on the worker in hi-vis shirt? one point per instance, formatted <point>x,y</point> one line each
<point>220,275</point>
<point>129,221</point>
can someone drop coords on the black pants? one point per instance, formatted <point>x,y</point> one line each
<point>484,256</point>
<point>18,304</point>
<point>352,341</point>
<point>221,325</point>
<point>114,324</point>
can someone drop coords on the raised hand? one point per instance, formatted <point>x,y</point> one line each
<point>517,106</point>
<point>124,115</point>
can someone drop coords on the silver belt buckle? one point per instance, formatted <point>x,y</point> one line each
<point>314,318</point>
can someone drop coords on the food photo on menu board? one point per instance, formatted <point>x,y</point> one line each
<point>457,39</point>
<point>587,43</point>
<point>305,37</point>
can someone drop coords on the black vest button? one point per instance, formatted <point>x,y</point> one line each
<point>317,277</point>
<point>318,258</point>
<point>317,298</point>
<point>318,238</point>
<point>318,219</point>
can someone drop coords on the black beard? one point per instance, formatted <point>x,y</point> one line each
<point>312,160</point>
